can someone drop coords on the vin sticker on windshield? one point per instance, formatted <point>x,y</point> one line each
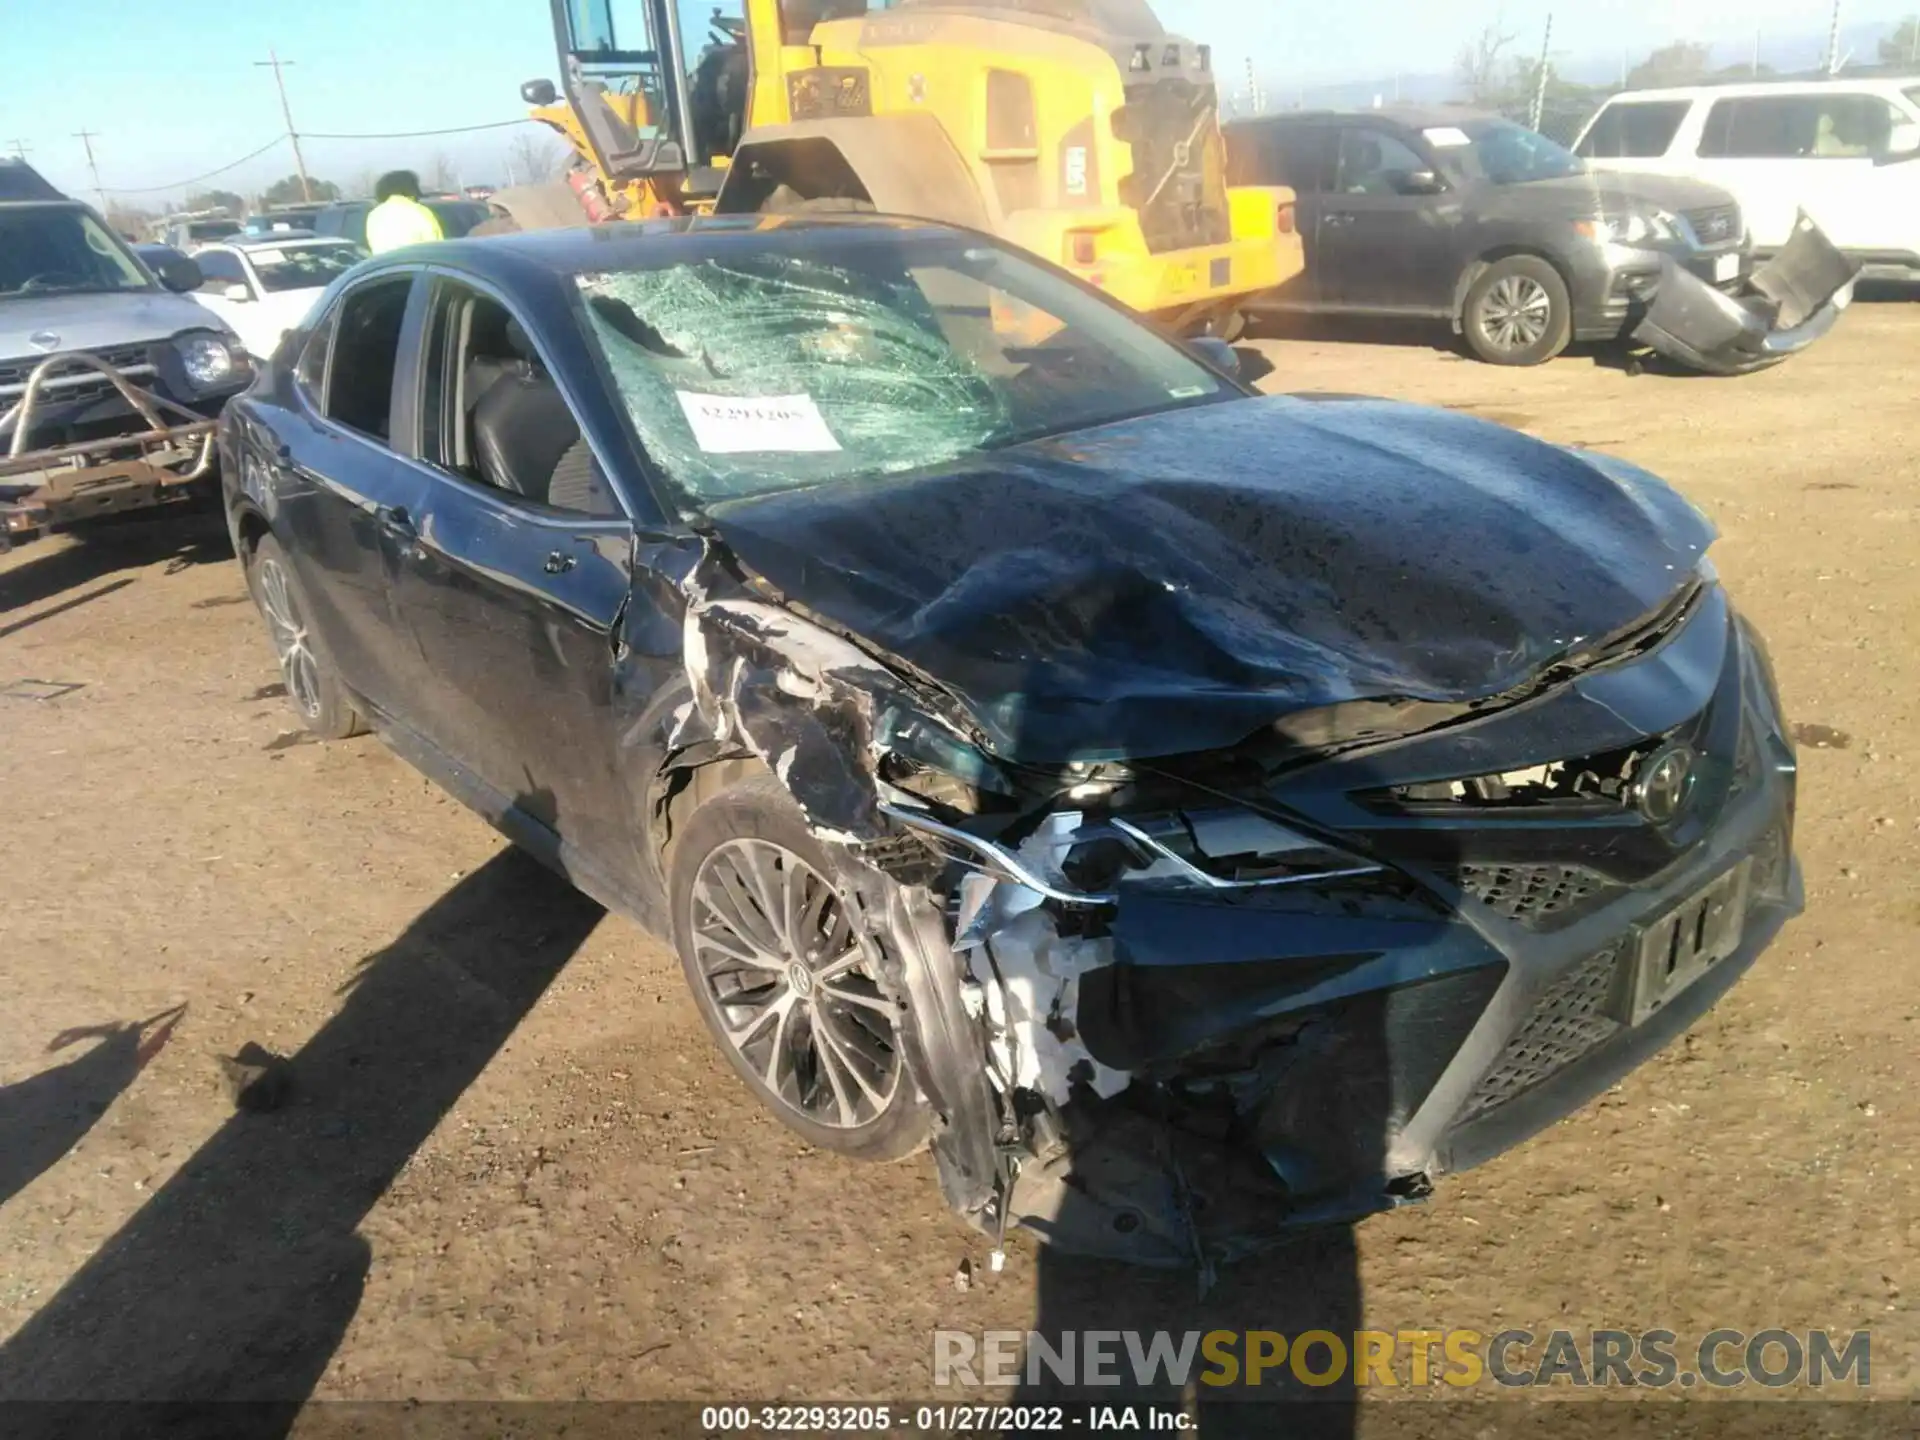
<point>746,424</point>
<point>1446,136</point>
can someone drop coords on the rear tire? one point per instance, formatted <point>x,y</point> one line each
<point>785,982</point>
<point>1518,312</point>
<point>313,685</point>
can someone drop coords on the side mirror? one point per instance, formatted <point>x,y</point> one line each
<point>1216,352</point>
<point>539,92</point>
<point>237,293</point>
<point>180,274</point>
<point>1417,182</point>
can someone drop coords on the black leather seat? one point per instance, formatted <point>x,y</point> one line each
<point>521,428</point>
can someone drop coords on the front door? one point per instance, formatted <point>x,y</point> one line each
<point>516,579</point>
<point>1389,230</point>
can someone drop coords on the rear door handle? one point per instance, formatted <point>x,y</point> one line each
<point>559,562</point>
<point>1340,217</point>
<point>396,522</point>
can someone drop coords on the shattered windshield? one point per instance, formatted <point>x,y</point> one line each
<point>57,250</point>
<point>1500,151</point>
<point>799,364</point>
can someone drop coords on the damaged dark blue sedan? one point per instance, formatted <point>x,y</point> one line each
<point>1193,813</point>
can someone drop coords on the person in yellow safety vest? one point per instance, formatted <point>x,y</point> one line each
<point>400,219</point>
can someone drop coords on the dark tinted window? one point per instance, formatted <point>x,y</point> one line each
<point>311,372</point>
<point>1840,125</point>
<point>492,414</point>
<point>1373,162</point>
<point>456,217</point>
<point>1286,154</point>
<point>1639,130</point>
<point>365,347</point>
<point>346,220</point>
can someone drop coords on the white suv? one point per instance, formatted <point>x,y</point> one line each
<point>1845,151</point>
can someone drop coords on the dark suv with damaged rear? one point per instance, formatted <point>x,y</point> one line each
<point>1193,812</point>
<point>110,381</point>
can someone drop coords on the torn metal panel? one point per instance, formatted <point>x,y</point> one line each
<point>1789,303</point>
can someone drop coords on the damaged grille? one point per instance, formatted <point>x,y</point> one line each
<point>1716,225</point>
<point>1539,896</point>
<point>131,361</point>
<point>1179,180</point>
<point>1574,1015</point>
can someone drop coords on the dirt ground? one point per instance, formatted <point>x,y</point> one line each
<point>513,1166</point>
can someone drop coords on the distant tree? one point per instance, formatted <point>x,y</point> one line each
<point>1566,107</point>
<point>361,186</point>
<point>1903,46</point>
<point>532,159</point>
<point>215,200</point>
<point>1744,71</point>
<point>1477,67</point>
<point>1682,63</point>
<point>289,192</point>
<point>440,176</point>
<point>129,219</point>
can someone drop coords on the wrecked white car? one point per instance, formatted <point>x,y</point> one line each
<point>1192,813</point>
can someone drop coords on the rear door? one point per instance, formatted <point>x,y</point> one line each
<point>1389,231</point>
<point>347,497</point>
<point>517,579</point>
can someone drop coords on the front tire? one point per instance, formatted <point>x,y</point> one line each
<point>1518,312</point>
<point>313,686</point>
<point>785,981</point>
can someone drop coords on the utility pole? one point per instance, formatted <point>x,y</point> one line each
<point>1253,90</point>
<point>86,138</point>
<point>1913,40</point>
<point>1833,41</point>
<point>274,62</point>
<point>1755,71</point>
<point>19,148</point>
<point>1540,84</point>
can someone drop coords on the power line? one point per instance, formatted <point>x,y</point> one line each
<point>183,184</point>
<point>299,161</point>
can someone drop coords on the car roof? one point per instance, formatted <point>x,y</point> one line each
<point>273,238</point>
<point>1414,117</point>
<point>1746,88</point>
<point>644,244</point>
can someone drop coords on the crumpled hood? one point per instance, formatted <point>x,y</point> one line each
<point>1172,584</point>
<point>98,322</point>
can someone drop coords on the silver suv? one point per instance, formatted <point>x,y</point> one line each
<point>111,382</point>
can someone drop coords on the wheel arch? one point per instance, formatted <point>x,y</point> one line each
<point>905,164</point>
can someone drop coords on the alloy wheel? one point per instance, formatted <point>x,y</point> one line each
<point>793,984</point>
<point>298,666</point>
<point>1515,312</point>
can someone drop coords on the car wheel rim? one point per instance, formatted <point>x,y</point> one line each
<point>297,664</point>
<point>793,985</point>
<point>1516,312</point>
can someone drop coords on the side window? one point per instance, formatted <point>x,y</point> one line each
<point>311,372</point>
<point>1285,154</point>
<point>365,344</point>
<point>491,413</point>
<point>1373,162</point>
<point>218,270</point>
<point>1839,125</point>
<point>1637,130</point>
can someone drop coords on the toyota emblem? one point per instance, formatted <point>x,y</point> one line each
<point>1665,784</point>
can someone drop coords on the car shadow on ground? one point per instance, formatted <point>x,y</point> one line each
<point>236,1281</point>
<point>94,556</point>
<point>1437,336</point>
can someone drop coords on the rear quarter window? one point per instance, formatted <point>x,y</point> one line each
<point>1634,130</point>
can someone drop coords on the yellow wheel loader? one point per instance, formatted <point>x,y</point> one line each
<point>1079,129</point>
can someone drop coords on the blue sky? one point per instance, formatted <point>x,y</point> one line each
<point>171,88</point>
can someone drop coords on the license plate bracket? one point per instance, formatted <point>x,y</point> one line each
<point>1682,945</point>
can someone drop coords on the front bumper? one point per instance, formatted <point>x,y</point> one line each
<point>1786,305</point>
<point>132,448</point>
<point>1304,1055</point>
